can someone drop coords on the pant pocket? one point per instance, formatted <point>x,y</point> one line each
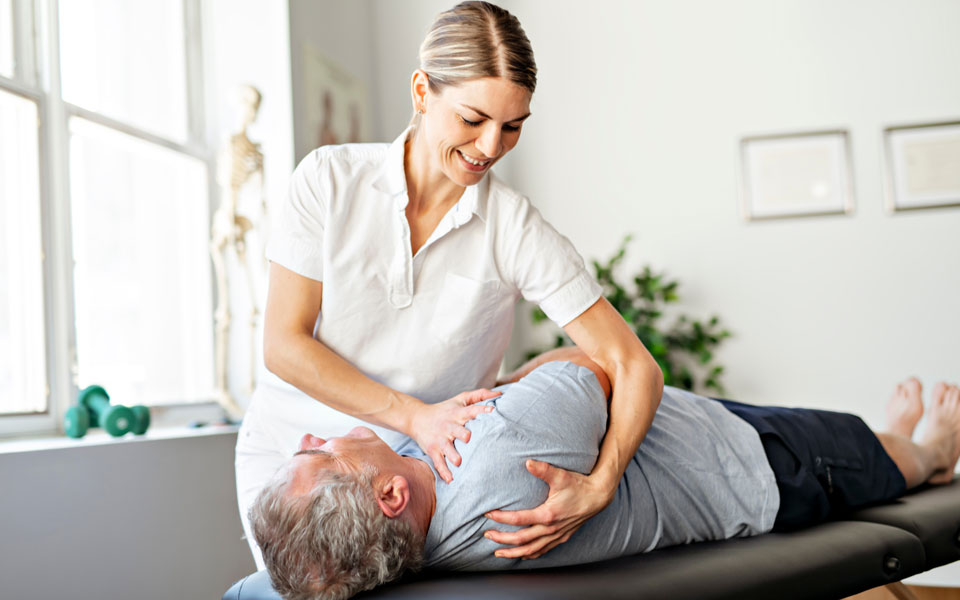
<point>838,476</point>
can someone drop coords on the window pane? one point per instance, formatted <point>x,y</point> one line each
<point>126,60</point>
<point>142,277</point>
<point>6,38</point>
<point>22,357</point>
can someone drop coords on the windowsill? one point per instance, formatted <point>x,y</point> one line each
<point>166,422</point>
<point>35,443</point>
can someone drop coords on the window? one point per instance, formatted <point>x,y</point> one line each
<point>22,356</point>
<point>142,297</point>
<point>126,60</point>
<point>106,184</point>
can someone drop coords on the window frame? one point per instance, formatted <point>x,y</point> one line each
<point>37,78</point>
<point>12,423</point>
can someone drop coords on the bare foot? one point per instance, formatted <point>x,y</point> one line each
<point>943,429</point>
<point>905,408</point>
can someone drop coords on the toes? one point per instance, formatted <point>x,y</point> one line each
<point>938,391</point>
<point>953,394</point>
<point>901,390</point>
<point>913,386</point>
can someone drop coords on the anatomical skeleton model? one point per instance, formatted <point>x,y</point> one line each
<point>239,163</point>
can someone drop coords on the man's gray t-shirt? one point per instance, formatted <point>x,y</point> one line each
<point>700,474</point>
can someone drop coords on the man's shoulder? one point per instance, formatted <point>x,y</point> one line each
<point>557,408</point>
<point>559,383</point>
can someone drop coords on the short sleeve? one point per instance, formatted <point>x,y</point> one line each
<point>546,268</point>
<point>297,238</point>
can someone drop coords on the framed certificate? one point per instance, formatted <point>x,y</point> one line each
<point>922,166</point>
<point>795,175</point>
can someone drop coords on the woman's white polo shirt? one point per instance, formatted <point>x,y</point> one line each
<point>433,324</point>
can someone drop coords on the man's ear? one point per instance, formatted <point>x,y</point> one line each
<point>393,495</point>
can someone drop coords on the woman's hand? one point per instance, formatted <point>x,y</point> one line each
<point>573,499</point>
<point>435,426</point>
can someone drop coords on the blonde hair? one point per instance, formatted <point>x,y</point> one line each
<point>474,40</point>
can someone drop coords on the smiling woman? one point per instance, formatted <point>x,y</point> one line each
<point>463,139</point>
<point>394,274</point>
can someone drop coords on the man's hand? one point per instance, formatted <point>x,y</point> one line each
<point>435,426</point>
<point>573,499</point>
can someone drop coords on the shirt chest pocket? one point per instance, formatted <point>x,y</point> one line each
<point>465,309</point>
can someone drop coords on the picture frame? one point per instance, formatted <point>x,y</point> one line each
<point>922,166</point>
<point>336,109</point>
<point>796,175</point>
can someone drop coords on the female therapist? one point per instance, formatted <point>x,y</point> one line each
<point>394,273</point>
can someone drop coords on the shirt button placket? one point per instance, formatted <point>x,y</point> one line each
<point>401,281</point>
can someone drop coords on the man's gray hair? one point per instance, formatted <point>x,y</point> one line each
<point>333,542</point>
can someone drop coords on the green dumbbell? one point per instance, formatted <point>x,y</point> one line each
<point>116,419</point>
<point>141,419</point>
<point>77,421</point>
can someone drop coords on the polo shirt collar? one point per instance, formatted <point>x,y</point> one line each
<point>392,181</point>
<point>472,202</point>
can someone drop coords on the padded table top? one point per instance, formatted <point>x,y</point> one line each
<point>932,513</point>
<point>832,560</point>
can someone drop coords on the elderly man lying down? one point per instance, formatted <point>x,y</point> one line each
<point>349,513</point>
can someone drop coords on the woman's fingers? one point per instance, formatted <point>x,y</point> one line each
<point>545,471</point>
<point>551,546</point>
<point>440,464</point>
<point>451,453</point>
<point>478,396</point>
<point>445,422</point>
<point>533,516</point>
<point>570,501</point>
<point>526,550</point>
<point>523,536</point>
<point>471,412</point>
<point>532,542</point>
<point>461,433</point>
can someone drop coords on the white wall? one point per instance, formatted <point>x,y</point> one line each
<point>637,117</point>
<point>343,33</point>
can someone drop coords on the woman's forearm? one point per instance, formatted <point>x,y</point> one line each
<point>309,365</point>
<point>637,389</point>
<point>318,371</point>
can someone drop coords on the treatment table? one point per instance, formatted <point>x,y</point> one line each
<point>875,546</point>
